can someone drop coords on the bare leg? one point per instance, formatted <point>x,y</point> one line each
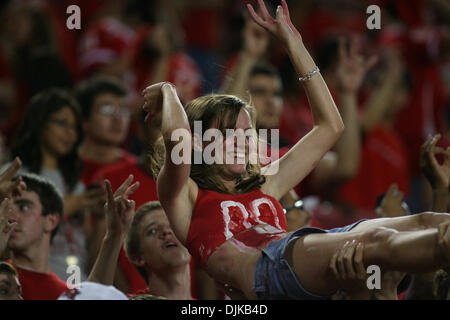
<point>409,251</point>
<point>420,221</point>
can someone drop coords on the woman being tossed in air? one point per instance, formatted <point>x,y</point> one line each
<point>229,217</point>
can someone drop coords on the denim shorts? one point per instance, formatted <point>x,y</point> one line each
<point>274,278</point>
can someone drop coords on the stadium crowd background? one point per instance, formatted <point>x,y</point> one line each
<point>196,44</point>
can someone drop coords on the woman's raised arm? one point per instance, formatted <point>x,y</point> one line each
<point>174,185</point>
<point>328,125</point>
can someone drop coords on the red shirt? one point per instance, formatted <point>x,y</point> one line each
<point>90,168</point>
<point>384,161</point>
<point>40,286</point>
<point>218,217</point>
<point>119,172</point>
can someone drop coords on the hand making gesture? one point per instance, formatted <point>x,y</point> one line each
<point>437,174</point>
<point>119,211</point>
<point>7,185</point>
<point>281,27</point>
<point>352,66</point>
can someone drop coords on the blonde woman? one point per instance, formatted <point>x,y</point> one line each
<point>228,215</point>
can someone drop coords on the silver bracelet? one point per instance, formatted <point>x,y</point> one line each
<point>309,75</point>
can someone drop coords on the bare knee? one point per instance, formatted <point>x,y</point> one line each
<point>378,245</point>
<point>430,219</point>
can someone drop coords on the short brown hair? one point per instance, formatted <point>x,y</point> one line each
<point>8,268</point>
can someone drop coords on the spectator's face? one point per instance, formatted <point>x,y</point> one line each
<point>266,98</point>
<point>160,249</point>
<point>237,148</point>
<point>109,120</point>
<point>60,133</point>
<point>9,287</point>
<point>32,227</point>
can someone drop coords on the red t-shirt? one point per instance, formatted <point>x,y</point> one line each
<point>218,217</point>
<point>40,286</point>
<point>384,161</point>
<point>119,172</point>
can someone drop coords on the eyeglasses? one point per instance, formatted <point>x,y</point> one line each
<point>109,110</point>
<point>63,124</point>
<point>297,205</point>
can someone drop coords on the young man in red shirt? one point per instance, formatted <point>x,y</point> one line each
<point>37,212</point>
<point>106,122</point>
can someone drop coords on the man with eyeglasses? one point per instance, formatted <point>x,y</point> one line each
<point>106,120</point>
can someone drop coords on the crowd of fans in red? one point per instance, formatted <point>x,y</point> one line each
<point>195,45</point>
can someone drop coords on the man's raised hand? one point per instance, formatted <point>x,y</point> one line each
<point>119,210</point>
<point>8,187</point>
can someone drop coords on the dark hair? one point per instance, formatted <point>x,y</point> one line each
<point>51,199</point>
<point>8,268</point>
<point>46,70</point>
<point>266,70</point>
<point>90,89</point>
<point>28,141</point>
<point>327,54</point>
<point>132,243</point>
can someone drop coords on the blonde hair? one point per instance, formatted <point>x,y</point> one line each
<point>220,111</point>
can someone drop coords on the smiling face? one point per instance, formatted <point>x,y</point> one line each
<point>60,133</point>
<point>159,248</point>
<point>238,146</point>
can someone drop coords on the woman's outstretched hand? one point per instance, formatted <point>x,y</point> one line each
<point>281,27</point>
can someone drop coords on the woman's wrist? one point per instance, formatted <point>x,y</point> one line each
<point>301,59</point>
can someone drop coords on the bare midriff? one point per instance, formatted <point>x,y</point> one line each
<point>233,262</point>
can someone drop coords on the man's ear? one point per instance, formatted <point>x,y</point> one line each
<point>51,221</point>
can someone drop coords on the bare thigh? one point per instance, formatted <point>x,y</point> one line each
<point>310,258</point>
<point>392,243</point>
